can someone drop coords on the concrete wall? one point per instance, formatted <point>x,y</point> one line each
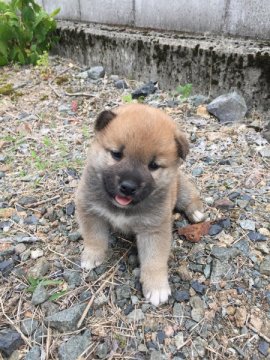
<point>213,65</point>
<point>248,18</point>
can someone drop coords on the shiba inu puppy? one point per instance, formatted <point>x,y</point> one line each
<point>132,183</point>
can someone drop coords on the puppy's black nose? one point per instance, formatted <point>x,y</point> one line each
<point>128,187</point>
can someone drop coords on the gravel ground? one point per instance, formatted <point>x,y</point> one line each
<point>50,308</point>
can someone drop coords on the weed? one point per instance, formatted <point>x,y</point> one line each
<point>26,31</point>
<point>183,91</point>
<point>34,283</point>
<point>127,98</point>
<point>39,163</point>
<point>47,141</point>
<point>6,89</point>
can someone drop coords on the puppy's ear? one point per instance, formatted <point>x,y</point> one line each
<point>103,119</point>
<point>182,145</point>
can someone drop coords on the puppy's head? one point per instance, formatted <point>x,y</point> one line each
<point>138,149</point>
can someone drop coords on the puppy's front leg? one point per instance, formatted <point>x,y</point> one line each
<point>95,233</point>
<point>188,200</point>
<point>154,248</point>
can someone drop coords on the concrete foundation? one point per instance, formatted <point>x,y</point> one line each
<point>214,65</point>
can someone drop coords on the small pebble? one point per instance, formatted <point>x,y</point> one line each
<point>135,315</point>
<point>215,229</point>
<point>263,347</point>
<point>197,172</point>
<point>247,224</point>
<point>35,254</point>
<point>74,236</point>
<point>121,84</point>
<point>128,309</point>
<point>70,209</point>
<point>161,336</point>
<point>181,295</point>
<point>198,287</point>
<point>224,204</point>
<point>39,295</point>
<point>256,236</point>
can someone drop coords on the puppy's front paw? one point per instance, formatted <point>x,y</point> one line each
<point>92,258</point>
<point>196,216</point>
<point>195,212</point>
<point>157,291</point>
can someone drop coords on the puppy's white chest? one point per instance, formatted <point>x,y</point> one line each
<point>118,221</point>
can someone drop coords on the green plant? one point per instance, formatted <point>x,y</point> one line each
<point>39,163</point>
<point>127,98</point>
<point>26,31</point>
<point>183,91</point>
<point>33,283</point>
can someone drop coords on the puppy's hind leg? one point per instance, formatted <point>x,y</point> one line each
<point>188,200</point>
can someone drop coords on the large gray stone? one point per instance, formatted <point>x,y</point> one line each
<point>74,347</point>
<point>228,108</point>
<point>10,340</point>
<point>96,72</point>
<point>66,320</point>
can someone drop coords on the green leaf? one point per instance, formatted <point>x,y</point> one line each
<point>3,49</point>
<point>26,30</point>
<point>57,295</point>
<point>55,12</point>
<point>48,282</point>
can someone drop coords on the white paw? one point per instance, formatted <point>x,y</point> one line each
<point>197,216</point>
<point>92,258</point>
<point>158,295</point>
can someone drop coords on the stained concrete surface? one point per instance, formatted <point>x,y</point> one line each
<point>214,65</point>
<point>243,18</point>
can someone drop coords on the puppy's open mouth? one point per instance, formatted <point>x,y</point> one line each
<point>123,200</point>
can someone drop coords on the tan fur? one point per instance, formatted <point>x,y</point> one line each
<point>144,134</point>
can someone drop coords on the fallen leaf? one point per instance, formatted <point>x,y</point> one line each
<point>194,232</point>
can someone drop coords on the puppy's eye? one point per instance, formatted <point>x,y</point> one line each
<point>153,166</point>
<point>116,155</point>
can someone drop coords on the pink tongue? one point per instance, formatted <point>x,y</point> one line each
<point>122,200</point>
